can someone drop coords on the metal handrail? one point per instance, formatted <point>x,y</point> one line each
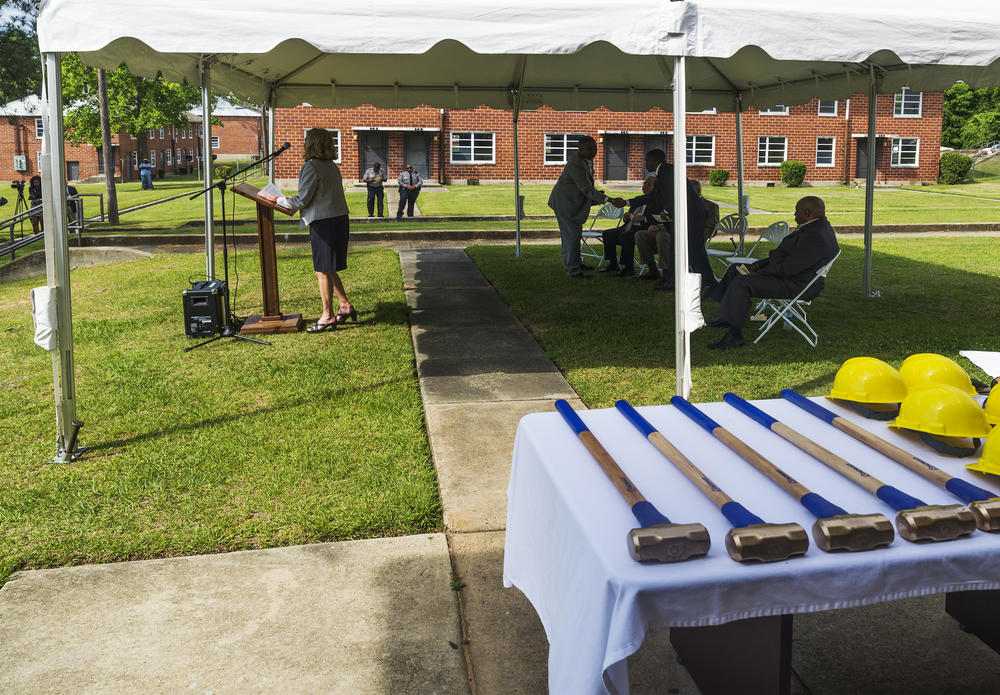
<point>17,242</point>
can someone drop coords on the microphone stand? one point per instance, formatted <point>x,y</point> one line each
<point>228,330</point>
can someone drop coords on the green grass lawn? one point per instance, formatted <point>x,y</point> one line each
<point>614,338</point>
<point>231,446</point>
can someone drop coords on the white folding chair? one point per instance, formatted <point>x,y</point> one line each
<point>608,211</point>
<point>730,224</point>
<point>774,233</point>
<point>792,312</point>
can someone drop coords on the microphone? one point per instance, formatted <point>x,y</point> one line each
<point>284,147</point>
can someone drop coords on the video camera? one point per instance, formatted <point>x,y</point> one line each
<point>17,185</point>
<point>3,201</point>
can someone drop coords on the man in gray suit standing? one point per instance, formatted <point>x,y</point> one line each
<point>571,200</point>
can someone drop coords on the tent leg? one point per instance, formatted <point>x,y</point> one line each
<point>57,256</point>
<point>271,139</point>
<point>739,164</point>
<point>517,196</point>
<point>683,336</point>
<point>206,157</point>
<point>870,186</point>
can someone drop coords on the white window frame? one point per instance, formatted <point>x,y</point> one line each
<point>833,151</point>
<point>151,134</point>
<point>216,142</point>
<point>904,99</point>
<point>135,159</point>
<point>776,110</point>
<point>152,158</point>
<point>336,138</point>
<point>39,128</point>
<point>168,155</point>
<point>712,110</point>
<point>897,151</point>
<point>184,135</point>
<point>692,148</point>
<point>475,143</point>
<point>761,140</point>
<point>162,134</point>
<point>550,148</point>
<point>821,112</point>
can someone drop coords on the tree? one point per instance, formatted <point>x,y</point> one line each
<point>20,68</point>
<point>135,104</point>
<point>971,116</point>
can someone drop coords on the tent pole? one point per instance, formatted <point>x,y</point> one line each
<point>683,336</point>
<point>206,158</point>
<point>271,139</point>
<point>517,192</point>
<point>870,183</point>
<point>739,163</point>
<point>57,253</point>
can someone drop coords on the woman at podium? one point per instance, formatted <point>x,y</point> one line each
<point>323,207</point>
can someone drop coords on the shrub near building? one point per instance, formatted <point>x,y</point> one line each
<point>955,167</point>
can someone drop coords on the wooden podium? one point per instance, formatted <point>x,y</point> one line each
<point>272,320</point>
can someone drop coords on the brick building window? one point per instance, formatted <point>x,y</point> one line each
<point>162,135</point>
<point>905,152</point>
<point>827,108</point>
<point>776,110</point>
<point>39,128</point>
<point>135,159</point>
<point>152,157</point>
<point>473,148</point>
<point>558,144</point>
<point>825,151</point>
<point>907,103</point>
<point>701,149</point>
<point>168,157</point>
<point>215,142</point>
<point>771,150</point>
<point>152,133</point>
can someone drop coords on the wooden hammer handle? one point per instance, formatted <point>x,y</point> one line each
<point>892,451</point>
<point>755,459</point>
<point>691,472</point>
<point>848,470</point>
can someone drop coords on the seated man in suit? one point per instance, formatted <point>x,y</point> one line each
<point>624,234</point>
<point>783,274</point>
<point>711,211</point>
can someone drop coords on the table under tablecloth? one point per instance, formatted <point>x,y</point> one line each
<point>567,529</point>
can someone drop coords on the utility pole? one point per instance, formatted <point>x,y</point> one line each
<point>106,154</point>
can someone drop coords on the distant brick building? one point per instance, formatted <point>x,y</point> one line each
<point>457,145</point>
<point>170,148</point>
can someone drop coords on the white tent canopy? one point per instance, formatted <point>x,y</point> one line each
<point>518,54</point>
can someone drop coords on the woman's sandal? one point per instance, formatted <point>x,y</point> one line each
<point>342,316</point>
<point>321,327</point>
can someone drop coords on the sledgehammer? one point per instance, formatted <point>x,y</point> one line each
<point>657,540</point>
<point>834,528</point>
<point>985,505</point>
<point>750,538</point>
<point>915,520</point>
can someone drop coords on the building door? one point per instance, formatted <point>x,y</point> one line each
<point>653,142</point>
<point>417,153</point>
<point>374,148</point>
<point>861,170</point>
<point>72,171</point>
<point>616,157</point>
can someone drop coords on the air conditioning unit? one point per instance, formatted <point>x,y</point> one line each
<point>20,162</point>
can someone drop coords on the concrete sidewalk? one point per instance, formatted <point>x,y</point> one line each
<point>380,616</point>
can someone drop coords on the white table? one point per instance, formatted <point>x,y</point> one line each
<point>567,528</point>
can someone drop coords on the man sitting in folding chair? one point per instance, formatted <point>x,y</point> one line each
<point>786,271</point>
<point>624,235</point>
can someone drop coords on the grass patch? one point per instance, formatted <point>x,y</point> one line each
<point>232,446</point>
<point>614,338</point>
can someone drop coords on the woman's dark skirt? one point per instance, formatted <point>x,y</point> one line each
<point>329,243</point>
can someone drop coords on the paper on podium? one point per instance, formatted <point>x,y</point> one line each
<point>271,189</point>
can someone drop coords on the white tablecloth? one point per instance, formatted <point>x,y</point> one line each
<point>989,362</point>
<point>567,528</point>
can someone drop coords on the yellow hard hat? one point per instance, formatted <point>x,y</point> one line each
<point>992,406</point>
<point>868,380</point>
<point>928,368</point>
<point>989,461</point>
<point>942,410</point>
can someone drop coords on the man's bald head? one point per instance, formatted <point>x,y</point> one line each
<point>809,208</point>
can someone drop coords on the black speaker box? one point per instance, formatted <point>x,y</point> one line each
<point>206,306</point>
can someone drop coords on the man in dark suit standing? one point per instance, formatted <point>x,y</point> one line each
<point>783,274</point>
<point>571,200</point>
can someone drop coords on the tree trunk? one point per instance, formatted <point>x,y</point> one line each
<point>107,154</point>
<point>142,137</point>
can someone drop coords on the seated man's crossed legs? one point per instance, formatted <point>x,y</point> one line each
<point>652,242</point>
<point>612,238</point>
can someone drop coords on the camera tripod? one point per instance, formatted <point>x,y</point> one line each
<point>21,205</point>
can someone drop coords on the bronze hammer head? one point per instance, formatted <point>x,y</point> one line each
<point>853,532</point>
<point>934,522</point>
<point>668,542</point>
<point>766,542</point>
<point>987,513</point>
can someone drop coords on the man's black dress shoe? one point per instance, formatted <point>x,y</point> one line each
<point>625,272</point>
<point>584,266</point>
<point>608,268</point>
<point>717,323</point>
<point>728,342</point>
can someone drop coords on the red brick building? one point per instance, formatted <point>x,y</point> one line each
<point>170,148</point>
<point>457,145</point>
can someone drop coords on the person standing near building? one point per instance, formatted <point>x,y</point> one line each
<point>374,178</point>
<point>146,174</point>
<point>35,200</point>
<point>409,188</point>
<point>571,200</point>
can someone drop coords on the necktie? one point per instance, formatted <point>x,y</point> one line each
<point>411,178</point>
